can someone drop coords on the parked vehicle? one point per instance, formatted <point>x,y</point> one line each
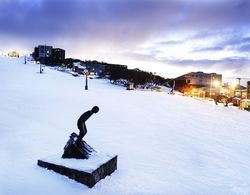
<point>236,101</point>
<point>245,104</point>
<point>222,99</point>
<point>130,86</point>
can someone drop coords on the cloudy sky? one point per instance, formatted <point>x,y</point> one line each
<point>170,37</point>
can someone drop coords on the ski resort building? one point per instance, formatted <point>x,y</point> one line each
<point>199,83</point>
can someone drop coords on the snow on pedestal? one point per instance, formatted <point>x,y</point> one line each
<point>86,171</point>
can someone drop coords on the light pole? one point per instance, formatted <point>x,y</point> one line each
<point>233,85</point>
<point>173,87</point>
<point>41,71</point>
<point>240,87</point>
<point>217,87</point>
<point>86,83</point>
<point>210,89</point>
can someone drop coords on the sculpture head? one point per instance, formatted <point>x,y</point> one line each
<point>95,109</point>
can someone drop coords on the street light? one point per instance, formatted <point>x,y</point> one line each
<point>213,85</point>
<point>86,83</point>
<point>233,85</point>
<point>41,70</point>
<point>210,88</point>
<point>216,83</point>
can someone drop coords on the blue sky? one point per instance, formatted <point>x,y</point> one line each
<point>170,37</point>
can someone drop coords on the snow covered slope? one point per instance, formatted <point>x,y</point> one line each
<point>165,144</point>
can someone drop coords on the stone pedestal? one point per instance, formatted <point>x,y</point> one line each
<point>87,171</point>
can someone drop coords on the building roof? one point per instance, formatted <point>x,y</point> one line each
<point>240,87</point>
<point>198,72</point>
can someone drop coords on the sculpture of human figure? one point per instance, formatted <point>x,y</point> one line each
<point>81,121</point>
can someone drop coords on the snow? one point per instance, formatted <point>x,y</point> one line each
<point>166,144</point>
<point>94,162</point>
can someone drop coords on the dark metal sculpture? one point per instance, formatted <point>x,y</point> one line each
<point>76,147</point>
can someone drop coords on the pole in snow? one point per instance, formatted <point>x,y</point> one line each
<point>41,70</point>
<point>86,81</point>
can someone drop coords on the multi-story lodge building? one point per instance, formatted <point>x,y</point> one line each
<point>48,55</point>
<point>57,55</point>
<point>204,84</point>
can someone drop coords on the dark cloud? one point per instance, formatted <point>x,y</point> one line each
<point>169,43</point>
<point>122,18</point>
<point>235,40</point>
<point>128,23</point>
<point>240,43</point>
<point>204,63</point>
<point>218,14</point>
<point>226,39</point>
<point>204,49</point>
<point>245,48</point>
<point>225,63</point>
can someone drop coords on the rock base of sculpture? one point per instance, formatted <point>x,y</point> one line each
<point>88,171</point>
